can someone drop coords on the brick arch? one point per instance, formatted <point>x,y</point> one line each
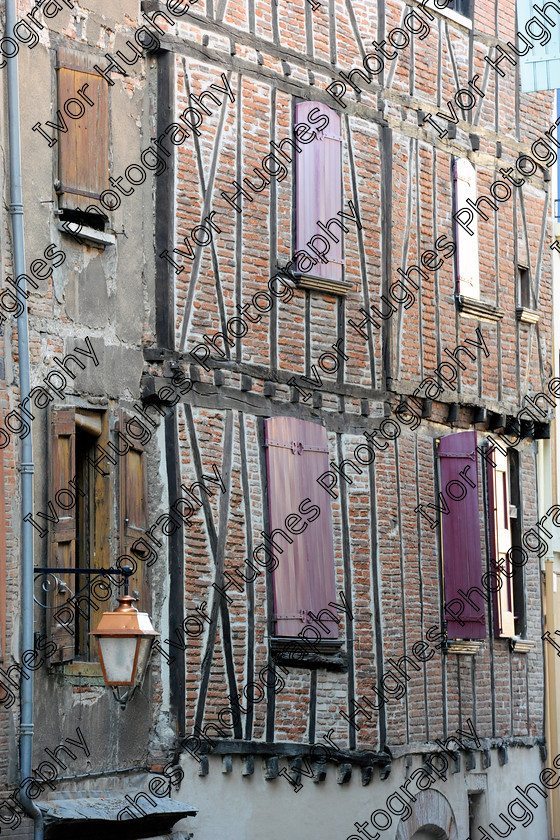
<point>432,817</point>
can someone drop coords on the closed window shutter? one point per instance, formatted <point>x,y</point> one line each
<point>467,245</point>
<point>83,149</point>
<point>133,513</point>
<point>304,582</point>
<point>460,533</point>
<point>500,542</point>
<point>62,534</point>
<point>100,502</point>
<point>319,188</point>
<point>540,68</point>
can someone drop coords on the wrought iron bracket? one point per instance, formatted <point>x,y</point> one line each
<point>125,571</point>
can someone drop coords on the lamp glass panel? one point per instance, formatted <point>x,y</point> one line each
<point>143,656</point>
<point>118,654</point>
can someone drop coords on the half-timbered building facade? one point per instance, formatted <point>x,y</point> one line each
<point>309,249</point>
<point>355,296</point>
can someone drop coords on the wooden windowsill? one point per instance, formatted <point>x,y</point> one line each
<point>80,673</point>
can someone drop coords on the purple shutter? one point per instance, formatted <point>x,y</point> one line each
<point>460,531</point>
<point>468,277</point>
<point>296,455</point>
<point>319,189</point>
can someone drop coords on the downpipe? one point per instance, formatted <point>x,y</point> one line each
<point>26,464</point>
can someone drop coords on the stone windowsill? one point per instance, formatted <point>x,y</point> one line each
<point>323,284</point>
<point>464,646</point>
<point>479,309</point>
<point>90,235</point>
<point>527,316</point>
<point>521,645</point>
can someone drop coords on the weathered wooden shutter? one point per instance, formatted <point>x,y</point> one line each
<point>468,279</point>
<point>500,541</point>
<point>460,532</point>
<point>540,68</point>
<point>319,189</point>
<point>83,149</point>
<point>62,534</point>
<point>133,513</point>
<point>304,583</point>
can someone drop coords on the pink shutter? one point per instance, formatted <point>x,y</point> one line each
<point>467,244</point>
<point>319,188</point>
<point>296,455</point>
<point>500,542</point>
<point>460,532</point>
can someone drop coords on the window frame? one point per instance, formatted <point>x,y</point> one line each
<point>72,198</point>
<point>280,460</point>
<point>314,153</point>
<point>519,582</point>
<point>500,541</point>
<point>452,448</point>
<point>524,286</point>
<point>95,532</point>
<point>465,185</point>
<point>539,67</point>
<point>451,12</point>
<point>463,171</point>
<point>85,548</point>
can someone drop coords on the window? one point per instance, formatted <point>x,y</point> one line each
<point>500,540</point>
<point>540,67</point>
<point>300,527</point>
<point>84,474</point>
<point>462,7</point>
<point>319,196</point>
<point>477,811</point>
<point>466,590</point>
<point>523,287</point>
<point>83,138</point>
<point>519,611</point>
<point>460,532</point>
<point>468,281</point>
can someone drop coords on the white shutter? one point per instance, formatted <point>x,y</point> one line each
<point>540,68</point>
<point>467,244</point>
<point>499,495</point>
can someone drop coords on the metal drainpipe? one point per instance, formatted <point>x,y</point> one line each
<point>26,465</point>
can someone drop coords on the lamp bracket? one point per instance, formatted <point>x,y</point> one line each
<point>126,571</point>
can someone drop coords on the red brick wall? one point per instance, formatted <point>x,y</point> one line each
<point>293,335</point>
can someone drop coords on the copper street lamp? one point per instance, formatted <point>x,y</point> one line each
<point>125,637</point>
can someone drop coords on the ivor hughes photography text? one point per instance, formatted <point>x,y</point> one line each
<point>279,462</point>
